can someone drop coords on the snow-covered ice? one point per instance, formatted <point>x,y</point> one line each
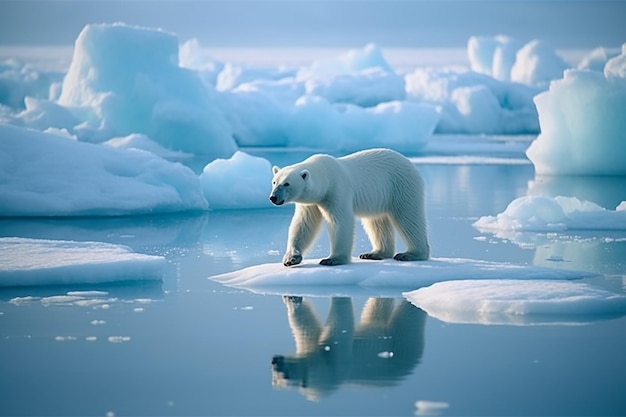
<point>48,175</point>
<point>380,277</point>
<point>545,214</point>
<point>25,262</point>
<point>582,123</point>
<point>516,302</point>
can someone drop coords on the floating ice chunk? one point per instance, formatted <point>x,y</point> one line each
<point>474,103</point>
<point>537,64</point>
<point>351,62</point>
<point>366,88</point>
<point>241,182</point>
<point>232,76</point>
<point>386,277</point>
<point>361,77</point>
<point>25,262</point>
<point>47,175</point>
<point>543,214</point>
<point>582,124</point>
<point>494,56</point>
<point>398,125</point>
<point>504,58</point>
<point>515,302</point>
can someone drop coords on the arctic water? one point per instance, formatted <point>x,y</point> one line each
<point>191,346</point>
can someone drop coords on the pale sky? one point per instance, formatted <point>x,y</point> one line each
<point>324,23</point>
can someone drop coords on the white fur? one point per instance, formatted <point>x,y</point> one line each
<point>379,185</point>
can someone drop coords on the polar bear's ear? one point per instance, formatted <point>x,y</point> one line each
<point>305,174</point>
<point>275,169</point>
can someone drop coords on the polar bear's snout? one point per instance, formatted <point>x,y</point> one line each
<point>276,197</point>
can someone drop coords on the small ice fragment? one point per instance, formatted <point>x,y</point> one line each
<point>23,300</point>
<point>64,338</point>
<point>138,310</point>
<point>385,355</point>
<point>91,338</point>
<point>425,407</point>
<point>273,252</point>
<point>98,322</point>
<point>327,348</point>
<point>88,293</point>
<point>119,339</point>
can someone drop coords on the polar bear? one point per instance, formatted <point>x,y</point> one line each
<point>380,186</point>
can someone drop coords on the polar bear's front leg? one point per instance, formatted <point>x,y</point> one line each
<point>341,234</point>
<point>305,225</point>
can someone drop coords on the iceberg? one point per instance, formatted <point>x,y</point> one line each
<point>582,123</point>
<point>125,79</point>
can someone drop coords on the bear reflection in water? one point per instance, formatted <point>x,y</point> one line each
<point>381,350</point>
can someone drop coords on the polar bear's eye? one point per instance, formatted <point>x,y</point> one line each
<point>286,184</point>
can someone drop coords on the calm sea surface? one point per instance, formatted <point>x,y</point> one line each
<point>190,346</point>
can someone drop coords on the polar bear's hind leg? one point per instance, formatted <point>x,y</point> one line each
<point>379,230</point>
<point>411,226</point>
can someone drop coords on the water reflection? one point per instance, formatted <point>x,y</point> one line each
<point>608,192</point>
<point>125,291</point>
<point>382,349</point>
<point>597,251</point>
<point>601,251</point>
<point>145,234</point>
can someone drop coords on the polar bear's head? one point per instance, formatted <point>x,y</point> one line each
<point>288,185</point>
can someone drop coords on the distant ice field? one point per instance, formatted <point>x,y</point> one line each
<point>59,57</point>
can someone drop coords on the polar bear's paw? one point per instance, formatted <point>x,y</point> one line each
<point>334,261</point>
<point>375,256</point>
<point>292,259</point>
<point>409,256</point>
